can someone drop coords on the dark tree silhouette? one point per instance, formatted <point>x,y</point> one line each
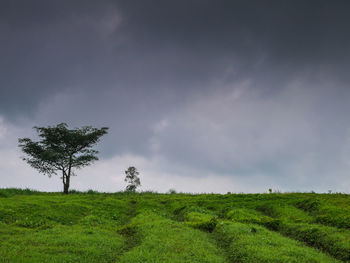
<point>132,178</point>
<point>62,149</point>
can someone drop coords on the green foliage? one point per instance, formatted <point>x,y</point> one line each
<point>327,213</point>
<point>8,192</point>
<point>201,221</point>
<point>172,191</point>
<point>245,215</point>
<point>61,149</point>
<point>150,227</point>
<point>331,240</point>
<point>56,228</point>
<point>333,216</point>
<point>59,244</point>
<point>309,205</point>
<point>91,192</point>
<point>285,212</point>
<point>165,241</point>
<point>252,243</point>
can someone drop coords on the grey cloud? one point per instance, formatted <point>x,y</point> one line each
<point>47,48</point>
<point>180,45</point>
<point>232,87</point>
<point>297,133</point>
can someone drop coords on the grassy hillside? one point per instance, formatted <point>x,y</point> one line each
<point>149,227</point>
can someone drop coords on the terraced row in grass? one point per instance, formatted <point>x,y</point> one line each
<point>148,227</point>
<point>61,228</point>
<point>328,239</point>
<point>165,240</point>
<point>253,243</point>
<point>250,242</point>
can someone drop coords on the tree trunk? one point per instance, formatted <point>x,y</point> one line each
<point>67,177</point>
<point>66,186</point>
<point>66,181</point>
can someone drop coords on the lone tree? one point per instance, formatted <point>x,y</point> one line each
<point>132,178</point>
<point>62,149</point>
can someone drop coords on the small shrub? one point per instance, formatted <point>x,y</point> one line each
<point>309,205</point>
<point>245,215</point>
<point>4,194</point>
<point>272,224</point>
<point>248,243</point>
<point>334,217</point>
<point>328,239</point>
<point>201,221</point>
<point>172,191</point>
<point>73,191</point>
<point>91,220</point>
<point>29,222</point>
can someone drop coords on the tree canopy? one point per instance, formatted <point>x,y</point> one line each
<point>62,149</point>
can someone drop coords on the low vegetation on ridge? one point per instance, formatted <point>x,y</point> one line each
<point>150,227</point>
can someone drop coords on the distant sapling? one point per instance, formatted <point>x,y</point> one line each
<point>132,179</point>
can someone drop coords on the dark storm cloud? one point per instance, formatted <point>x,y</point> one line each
<point>285,33</point>
<point>48,46</point>
<point>229,87</point>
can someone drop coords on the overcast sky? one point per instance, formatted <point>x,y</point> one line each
<point>199,95</point>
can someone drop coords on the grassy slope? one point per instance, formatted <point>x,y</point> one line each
<point>51,227</point>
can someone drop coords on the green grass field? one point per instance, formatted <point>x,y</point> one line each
<point>151,227</point>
